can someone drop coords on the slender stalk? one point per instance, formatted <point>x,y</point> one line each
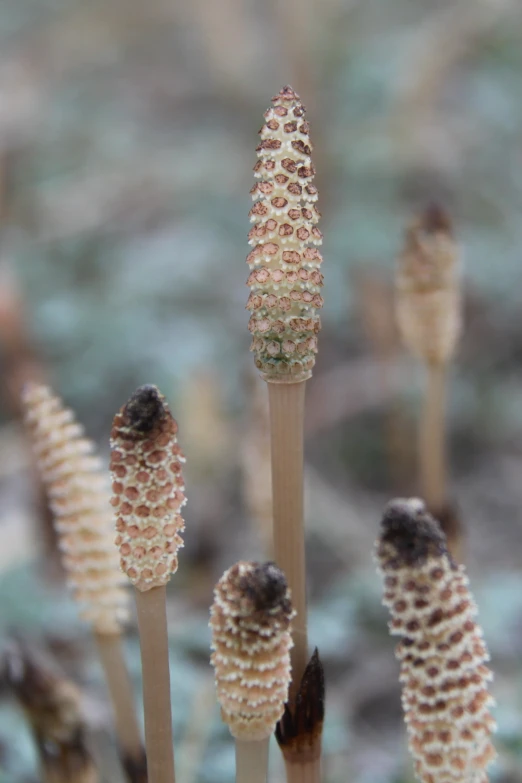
<point>286,432</point>
<point>432,446</point>
<point>128,732</point>
<point>308,772</point>
<point>152,624</point>
<point>252,761</point>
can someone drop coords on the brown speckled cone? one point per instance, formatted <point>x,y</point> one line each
<point>428,296</point>
<point>148,488</point>
<point>442,652</point>
<point>80,501</point>
<point>251,641</point>
<point>285,279</point>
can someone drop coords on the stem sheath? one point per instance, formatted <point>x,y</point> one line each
<point>308,772</point>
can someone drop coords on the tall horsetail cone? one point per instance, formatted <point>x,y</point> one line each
<point>442,653</point>
<point>79,498</point>
<point>428,295</point>
<point>251,640</point>
<point>148,488</point>
<point>285,279</point>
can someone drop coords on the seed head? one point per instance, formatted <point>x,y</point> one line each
<point>428,297</point>
<point>442,652</point>
<point>80,501</point>
<point>148,488</point>
<point>251,641</point>
<point>285,280</point>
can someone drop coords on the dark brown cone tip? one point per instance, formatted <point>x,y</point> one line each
<point>300,729</point>
<point>412,531</point>
<point>435,220</point>
<point>145,409</point>
<point>135,768</point>
<point>266,586</point>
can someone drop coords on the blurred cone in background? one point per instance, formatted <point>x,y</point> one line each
<point>429,315</point>
<point>21,365</point>
<point>52,707</point>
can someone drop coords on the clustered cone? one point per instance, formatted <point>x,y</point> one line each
<point>285,279</point>
<point>442,652</point>
<point>148,488</point>
<point>428,295</point>
<point>80,501</point>
<point>251,641</point>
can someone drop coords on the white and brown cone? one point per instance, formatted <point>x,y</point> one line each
<point>148,488</point>
<point>251,641</point>
<point>442,651</point>
<point>428,291</point>
<point>285,278</point>
<point>80,501</point>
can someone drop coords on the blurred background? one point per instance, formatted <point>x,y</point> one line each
<point>127,138</point>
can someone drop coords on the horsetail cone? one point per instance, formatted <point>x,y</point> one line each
<point>79,498</point>
<point>442,653</point>
<point>285,279</point>
<point>251,640</point>
<point>148,488</point>
<point>428,295</point>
